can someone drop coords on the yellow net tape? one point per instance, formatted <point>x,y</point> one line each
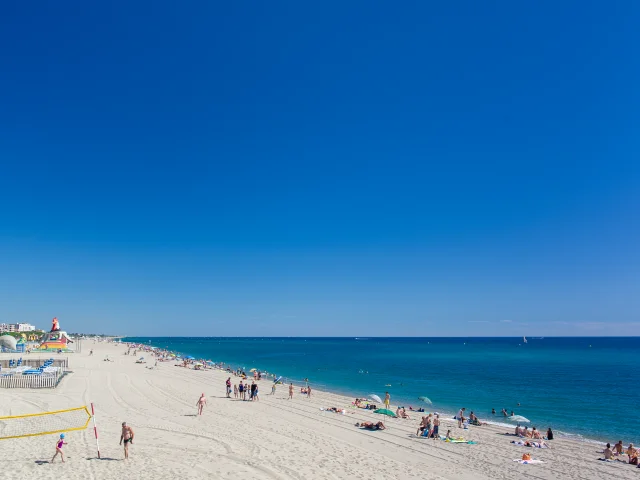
<point>45,423</point>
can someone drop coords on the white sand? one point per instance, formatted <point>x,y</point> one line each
<point>273,438</point>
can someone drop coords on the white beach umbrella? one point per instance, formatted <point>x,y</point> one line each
<point>375,398</point>
<point>8,341</point>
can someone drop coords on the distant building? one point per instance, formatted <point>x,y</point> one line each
<point>24,327</point>
<point>16,327</point>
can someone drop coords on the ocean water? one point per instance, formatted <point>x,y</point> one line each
<point>583,387</point>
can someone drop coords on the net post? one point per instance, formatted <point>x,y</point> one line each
<point>95,428</point>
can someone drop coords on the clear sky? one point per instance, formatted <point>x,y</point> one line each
<point>343,168</point>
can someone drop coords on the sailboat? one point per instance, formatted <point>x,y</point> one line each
<point>524,339</point>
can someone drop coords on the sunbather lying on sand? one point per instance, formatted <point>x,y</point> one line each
<point>334,409</point>
<point>527,443</point>
<point>371,425</point>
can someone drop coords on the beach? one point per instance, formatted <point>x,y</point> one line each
<point>273,438</point>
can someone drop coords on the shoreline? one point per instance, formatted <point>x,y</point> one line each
<point>347,393</point>
<point>274,438</point>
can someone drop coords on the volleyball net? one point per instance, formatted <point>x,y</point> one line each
<point>46,423</point>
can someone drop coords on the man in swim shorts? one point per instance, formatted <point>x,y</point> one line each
<point>436,427</point>
<point>202,401</point>
<point>127,437</point>
<point>387,400</point>
<point>460,417</point>
<point>422,426</point>
<point>618,448</point>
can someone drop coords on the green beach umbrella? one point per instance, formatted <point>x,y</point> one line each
<point>384,411</point>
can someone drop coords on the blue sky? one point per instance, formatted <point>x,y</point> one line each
<point>351,168</point>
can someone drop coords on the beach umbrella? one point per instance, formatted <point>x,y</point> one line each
<point>210,362</point>
<point>519,418</point>
<point>198,364</point>
<point>426,400</point>
<point>189,357</point>
<point>384,411</point>
<point>253,370</point>
<point>375,398</point>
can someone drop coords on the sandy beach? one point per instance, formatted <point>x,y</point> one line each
<point>274,438</point>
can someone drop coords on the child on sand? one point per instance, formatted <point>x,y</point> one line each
<point>59,443</point>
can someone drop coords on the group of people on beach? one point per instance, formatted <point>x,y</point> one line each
<point>429,426</point>
<point>618,451</point>
<point>241,390</point>
<point>524,432</point>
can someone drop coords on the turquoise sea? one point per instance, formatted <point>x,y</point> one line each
<point>583,387</point>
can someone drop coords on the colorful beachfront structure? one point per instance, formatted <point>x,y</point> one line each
<point>56,340</point>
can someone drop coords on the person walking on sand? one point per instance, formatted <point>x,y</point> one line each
<point>202,401</point>
<point>273,388</point>
<point>387,400</point>
<point>291,391</point>
<point>127,437</point>
<point>308,392</point>
<point>228,386</point>
<point>59,443</point>
<point>235,390</point>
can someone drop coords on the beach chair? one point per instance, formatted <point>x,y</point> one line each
<point>19,362</point>
<point>37,371</point>
<point>12,363</point>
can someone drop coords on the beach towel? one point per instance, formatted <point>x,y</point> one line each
<point>528,462</point>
